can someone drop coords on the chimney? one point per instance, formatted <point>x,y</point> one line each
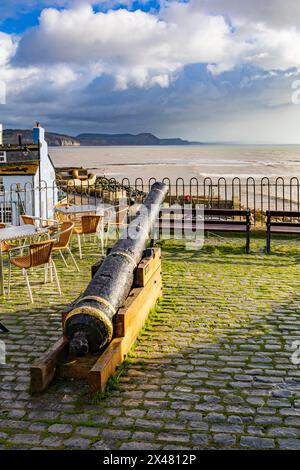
<point>38,134</point>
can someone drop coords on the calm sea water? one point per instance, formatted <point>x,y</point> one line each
<point>183,161</point>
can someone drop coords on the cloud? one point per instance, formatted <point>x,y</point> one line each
<point>142,49</point>
<point>8,48</point>
<point>137,48</point>
<point>197,106</point>
<point>274,13</point>
<point>274,49</point>
<point>127,69</point>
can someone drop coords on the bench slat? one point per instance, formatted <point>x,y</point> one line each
<point>287,230</point>
<point>226,212</point>
<point>189,225</point>
<point>283,213</point>
<point>285,224</point>
<point>219,212</point>
<point>225,227</point>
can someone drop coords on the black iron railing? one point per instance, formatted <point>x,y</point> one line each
<point>257,194</point>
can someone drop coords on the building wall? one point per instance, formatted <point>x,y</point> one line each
<point>11,198</point>
<point>47,198</point>
<point>40,195</point>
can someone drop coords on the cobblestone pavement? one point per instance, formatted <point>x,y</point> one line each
<point>212,368</point>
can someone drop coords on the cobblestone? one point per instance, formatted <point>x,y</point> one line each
<point>257,442</point>
<point>60,429</point>
<point>289,444</point>
<point>211,370</point>
<point>77,443</point>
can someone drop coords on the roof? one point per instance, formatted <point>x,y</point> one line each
<point>19,168</point>
<point>20,154</point>
<point>20,159</point>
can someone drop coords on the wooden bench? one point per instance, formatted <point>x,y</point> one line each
<point>281,227</point>
<point>215,220</point>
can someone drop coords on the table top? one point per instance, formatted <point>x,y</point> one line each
<point>14,232</point>
<point>84,208</point>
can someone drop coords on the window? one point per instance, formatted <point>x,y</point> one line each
<point>1,185</point>
<point>6,213</point>
<point>2,157</point>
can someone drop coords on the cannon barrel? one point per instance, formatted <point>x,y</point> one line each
<point>89,326</point>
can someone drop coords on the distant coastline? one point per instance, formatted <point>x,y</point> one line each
<point>11,136</point>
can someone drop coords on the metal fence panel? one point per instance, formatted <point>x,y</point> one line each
<point>257,194</point>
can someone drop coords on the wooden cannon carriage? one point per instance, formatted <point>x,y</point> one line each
<point>128,322</point>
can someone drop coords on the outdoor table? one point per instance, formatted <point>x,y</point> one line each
<point>12,233</point>
<point>99,209</point>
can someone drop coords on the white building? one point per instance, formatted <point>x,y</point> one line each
<point>27,179</point>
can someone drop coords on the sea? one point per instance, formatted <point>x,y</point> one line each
<point>200,161</point>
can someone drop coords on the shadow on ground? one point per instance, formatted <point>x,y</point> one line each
<point>212,368</point>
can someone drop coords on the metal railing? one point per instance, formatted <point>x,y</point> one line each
<point>257,194</point>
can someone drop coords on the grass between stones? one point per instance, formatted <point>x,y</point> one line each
<point>211,368</point>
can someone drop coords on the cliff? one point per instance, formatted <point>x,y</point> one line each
<point>11,136</point>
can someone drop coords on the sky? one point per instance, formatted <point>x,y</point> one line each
<point>205,70</point>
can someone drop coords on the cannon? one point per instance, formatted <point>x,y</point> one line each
<point>102,324</point>
<point>89,326</point>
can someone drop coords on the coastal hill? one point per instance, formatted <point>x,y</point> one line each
<point>127,139</point>
<point>11,136</point>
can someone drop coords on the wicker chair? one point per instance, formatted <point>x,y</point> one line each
<point>63,242</point>
<point>27,219</point>
<point>60,216</point>
<point>45,223</point>
<point>39,254</point>
<point>89,225</point>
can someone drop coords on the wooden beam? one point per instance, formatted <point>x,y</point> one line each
<point>147,267</point>
<point>105,366</point>
<point>132,316</point>
<point>77,368</point>
<point>43,370</point>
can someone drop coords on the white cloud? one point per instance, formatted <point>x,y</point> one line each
<point>275,13</point>
<point>72,47</point>
<point>274,49</point>
<point>7,48</point>
<point>143,49</point>
<point>136,47</point>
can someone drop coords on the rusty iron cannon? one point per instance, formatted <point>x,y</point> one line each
<point>101,326</point>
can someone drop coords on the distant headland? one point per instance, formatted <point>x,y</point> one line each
<point>60,140</point>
